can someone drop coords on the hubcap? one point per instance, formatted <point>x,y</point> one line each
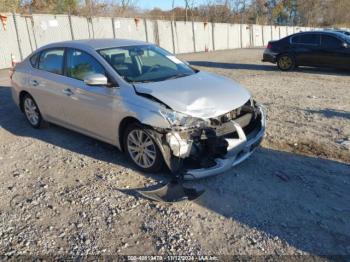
<point>285,62</point>
<point>31,111</point>
<point>141,148</point>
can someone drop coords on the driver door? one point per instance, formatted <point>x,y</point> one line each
<point>334,54</point>
<point>90,109</point>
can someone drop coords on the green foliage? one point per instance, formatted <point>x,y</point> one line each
<point>52,6</point>
<point>9,5</point>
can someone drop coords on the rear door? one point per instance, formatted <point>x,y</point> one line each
<point>90,109</point>
<point>47,83</point>
<point>307,48</point>
<point>334,54</point>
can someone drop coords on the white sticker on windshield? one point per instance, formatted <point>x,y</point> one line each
<point>174,59</point>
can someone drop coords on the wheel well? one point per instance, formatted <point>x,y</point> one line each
<point>286,53</point>
<point>122,127</point>
<point>21,96</point>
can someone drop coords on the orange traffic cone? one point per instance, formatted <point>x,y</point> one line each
<point>4,21</point>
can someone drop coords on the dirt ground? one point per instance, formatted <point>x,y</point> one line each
<point>67,194</point>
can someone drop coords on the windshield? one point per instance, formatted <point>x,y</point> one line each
<point>145,63</point>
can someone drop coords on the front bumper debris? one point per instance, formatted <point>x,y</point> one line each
<point>238,150</point>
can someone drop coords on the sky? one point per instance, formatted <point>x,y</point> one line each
<point>163,4</point>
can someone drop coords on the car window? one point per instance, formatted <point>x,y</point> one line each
<point>330,41</point>
<point>34,59</point>
<point>145,63</point>
<point>52,61</point>
<point>150,58</point>
<point>80,64</point>
<point>306,39</point>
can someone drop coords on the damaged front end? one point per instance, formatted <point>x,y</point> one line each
<point>199,148</point>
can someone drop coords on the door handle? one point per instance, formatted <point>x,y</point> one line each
<point>35,83</point>
<point>68,92</point>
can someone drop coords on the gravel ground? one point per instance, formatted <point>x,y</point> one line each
<point>67,194</point>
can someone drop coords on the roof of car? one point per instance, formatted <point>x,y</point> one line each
<point>97,43</point>
<point>325,32</point>
<point>319,32</point>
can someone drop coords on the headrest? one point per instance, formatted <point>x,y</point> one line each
<point>118,59</point>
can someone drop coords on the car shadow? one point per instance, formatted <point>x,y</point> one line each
<point>330,113</point>
<point>302,200</point>
<point>269,68</point>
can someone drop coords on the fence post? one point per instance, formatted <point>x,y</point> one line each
<point>146,31</point>
<point>156,32</point>
<point>70,26</point>
<point>17,36</point>
<point>113,28</point>
<point>172,23</point>
<point>228,36</point>
<point>213,35</point>
<point>28,32</point>
<point>279,33</point>
<point>90,27</point>
<point>194,38</point>
<point>271,30</point>
<point>251,38</point>
<point>241,34</point>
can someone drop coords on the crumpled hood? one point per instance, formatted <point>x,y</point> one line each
<point>201,95</point>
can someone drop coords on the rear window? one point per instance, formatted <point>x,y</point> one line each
<point>34,60</point>
<point>52,61</point>
<point>306,39</point>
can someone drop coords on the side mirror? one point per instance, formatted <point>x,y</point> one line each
<point>96,80</point>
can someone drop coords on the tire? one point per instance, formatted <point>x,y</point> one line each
<point>141,149</point>
<point>285,62</point>
<point>32,112</point>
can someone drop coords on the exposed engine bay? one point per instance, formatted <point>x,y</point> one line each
<point>199,147</point>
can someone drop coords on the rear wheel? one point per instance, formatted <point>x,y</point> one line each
<point>141,149</point>
<point>32,112</point>
<point>285,62</point>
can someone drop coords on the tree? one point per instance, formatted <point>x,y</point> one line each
<point>9,5</point>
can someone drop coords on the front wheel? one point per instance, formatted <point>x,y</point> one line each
<point>285,62</point>
<point>142,149</point>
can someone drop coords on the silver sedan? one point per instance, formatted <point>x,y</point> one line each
<point>142,99</point>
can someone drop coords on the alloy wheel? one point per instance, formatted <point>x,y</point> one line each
<point>31,111</point>
<point>141,148</point>
<point>285,62</point>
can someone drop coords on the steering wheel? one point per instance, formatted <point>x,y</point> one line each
<point>153,68</point>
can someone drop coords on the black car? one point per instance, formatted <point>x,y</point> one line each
<point>347,33</point>
<point>318,49</point>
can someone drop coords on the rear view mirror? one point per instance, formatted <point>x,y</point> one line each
<point>96,80</point>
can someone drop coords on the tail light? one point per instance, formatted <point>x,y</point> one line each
<point>269,46</point>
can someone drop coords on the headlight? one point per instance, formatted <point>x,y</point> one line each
<point>178,119</point>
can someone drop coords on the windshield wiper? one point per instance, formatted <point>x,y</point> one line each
<point>176,76</point>
<point>135,81</point>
